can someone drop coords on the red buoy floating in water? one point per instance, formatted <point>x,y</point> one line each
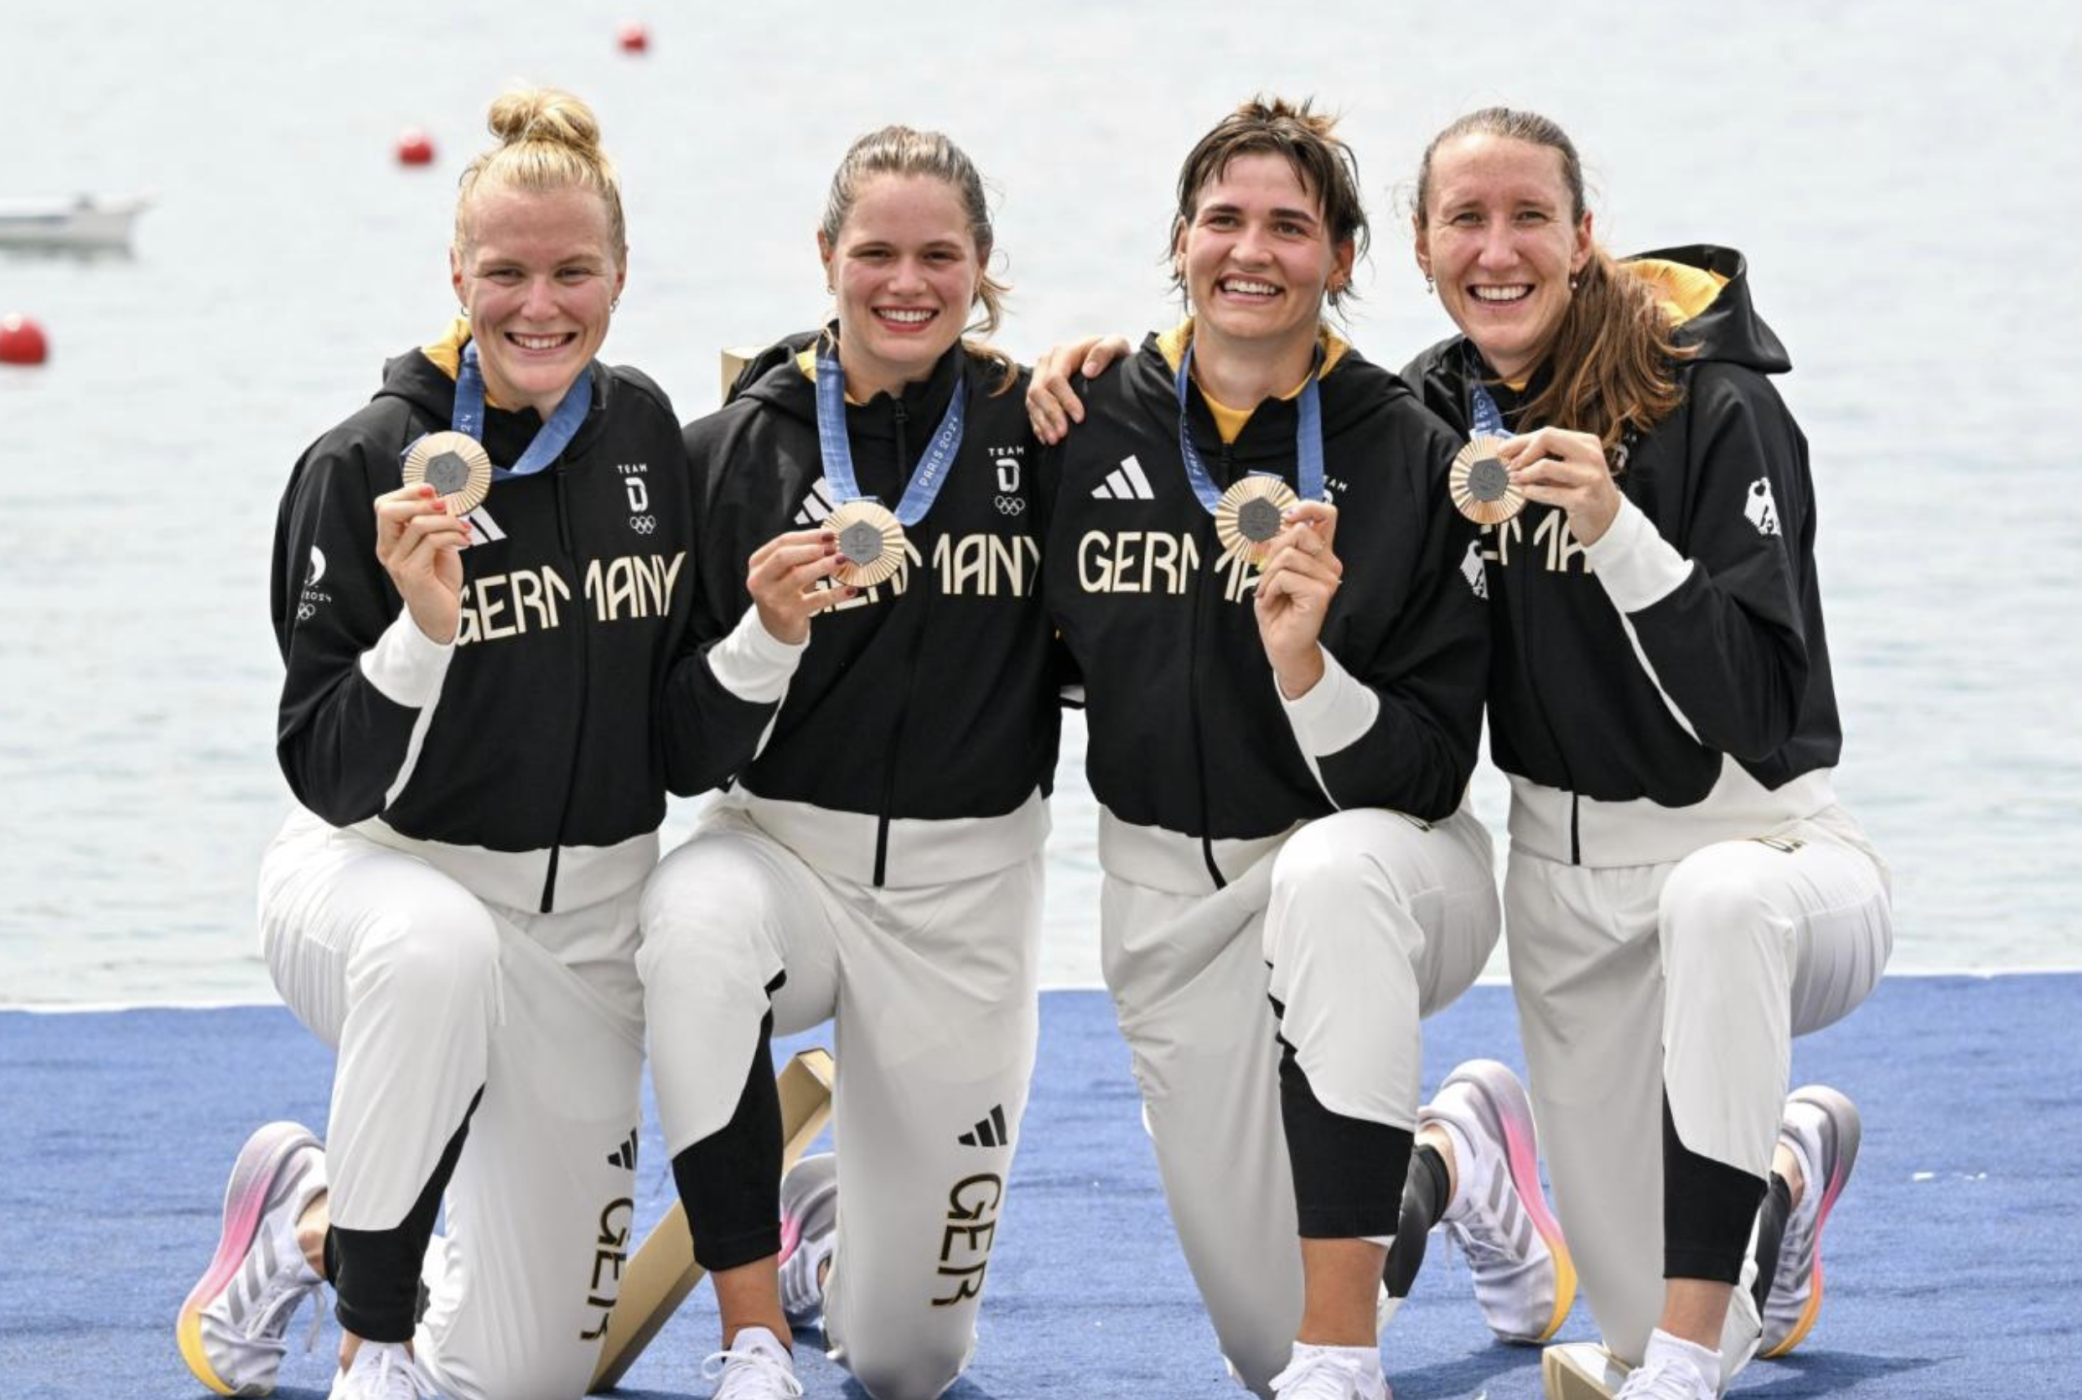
<point>635,38</point>
<point>22,341</point>
<point>415,147</point>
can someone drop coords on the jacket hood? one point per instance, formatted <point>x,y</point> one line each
<point>784,375</point>
<point>1705,291</point>
<point>425,379</point>
<point>1354,387</point>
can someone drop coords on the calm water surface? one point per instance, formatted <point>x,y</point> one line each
<point>1902,176</point>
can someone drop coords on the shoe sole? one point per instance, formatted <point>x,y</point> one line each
<point>1580,1371</point>
<point>1511,1112</point>
<point>1842,1129</point>
<point>253,1175</point>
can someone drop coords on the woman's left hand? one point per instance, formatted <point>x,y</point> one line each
<point>1300,577</point>
<point>1557,467</point>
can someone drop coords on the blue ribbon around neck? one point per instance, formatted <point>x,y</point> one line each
<point>837,450</point>
<point>550,441</point>
<point>1482,409</point>
<point>1308,438</point>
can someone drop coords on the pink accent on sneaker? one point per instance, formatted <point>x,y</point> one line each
<point>791,1237</point>
<point>1521,1147</point>
<point>244,1198</point>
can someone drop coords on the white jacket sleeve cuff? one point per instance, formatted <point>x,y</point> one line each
<point>1336,712</point>
<point>752,664</point>
<point>1638,567</point>
<point>406,665</point>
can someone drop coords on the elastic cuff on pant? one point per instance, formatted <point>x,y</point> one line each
<point>1709,1265</point>
<point>387,1325</point>
<point>734,1251</point>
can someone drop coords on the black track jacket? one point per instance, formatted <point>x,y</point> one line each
<point>1709,567</point>
<point>930,696</point>
<point>531,759</point>
<point>1188,732</point>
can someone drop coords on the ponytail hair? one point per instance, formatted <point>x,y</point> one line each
<point>1614,356</point>
<point>548,141</point>
<point>902,150</point>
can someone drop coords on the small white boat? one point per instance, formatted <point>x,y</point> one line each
<point>84,222</point>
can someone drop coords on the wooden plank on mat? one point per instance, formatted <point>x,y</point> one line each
<point>663,1272</point>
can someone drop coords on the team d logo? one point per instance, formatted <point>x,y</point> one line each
<point>1761,509</point>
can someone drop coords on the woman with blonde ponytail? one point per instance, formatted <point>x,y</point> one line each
<point>485,601</point>
<point>1684,894</point>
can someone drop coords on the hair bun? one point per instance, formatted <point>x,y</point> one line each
<point>545,114</point>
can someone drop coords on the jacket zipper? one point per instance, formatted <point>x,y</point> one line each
<point>1200,622</point>
<point>896,737</point>
<point>549,880</point>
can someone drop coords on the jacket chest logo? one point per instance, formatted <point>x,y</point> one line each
<point>635,481</point>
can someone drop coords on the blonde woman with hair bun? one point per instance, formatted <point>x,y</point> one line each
<point>487,699</point>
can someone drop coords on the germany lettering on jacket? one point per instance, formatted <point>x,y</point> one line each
<point>630,587</point>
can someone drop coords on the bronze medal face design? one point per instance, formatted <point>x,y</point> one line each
<point>455,465</point>
<point>1480,483</point>
<point>1251,514</point>
<point>871,541</point>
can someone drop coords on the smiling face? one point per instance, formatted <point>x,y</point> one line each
<point>1258,257</point>
<point>538,274</point>
<point>906,270</point>
<point>1500,236</point>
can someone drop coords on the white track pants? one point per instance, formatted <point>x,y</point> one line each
<point>1370,922</point>
<point>429,994</point>
<point>933,994</point>
<point>1695,975</point>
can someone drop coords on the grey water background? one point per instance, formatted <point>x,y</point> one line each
<point>1903,176</point>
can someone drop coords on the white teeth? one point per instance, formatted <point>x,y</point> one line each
<point>538,342</point>
<point>1501,293</point>
<point>905,317</point>
<point>1249,288</point>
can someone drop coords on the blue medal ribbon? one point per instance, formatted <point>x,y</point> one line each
<point>550,441</point>
<point>1482,409</point>
<point>1308,438</point>
<point>837,451</point>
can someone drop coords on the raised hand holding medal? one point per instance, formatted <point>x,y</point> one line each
<point>420,527</point>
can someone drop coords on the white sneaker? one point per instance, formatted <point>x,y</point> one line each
<point>1664,1380</point>
<point>233,1326</point>
<point>1331,1373</point>
<point>1822,1130</point>
<point>1673,1369</point>
<point>754,1367</point>
<point>1524,1278</point>
<point>383,1371</point>
<point>809,1228</point>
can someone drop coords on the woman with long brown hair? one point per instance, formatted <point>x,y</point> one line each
<point>1684,893</point>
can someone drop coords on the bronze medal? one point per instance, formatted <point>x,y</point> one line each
<point>455,465</point>
<point>1250,514</point>
<point>1481,484</point>
<point>871,542</point>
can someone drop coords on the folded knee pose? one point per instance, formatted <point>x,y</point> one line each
<point>1684,894</point>
<point>486,702</point>
<point>878,865</point>
<point>1256,570</point>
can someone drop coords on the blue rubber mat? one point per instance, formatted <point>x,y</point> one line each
<point>1953,1260</point>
